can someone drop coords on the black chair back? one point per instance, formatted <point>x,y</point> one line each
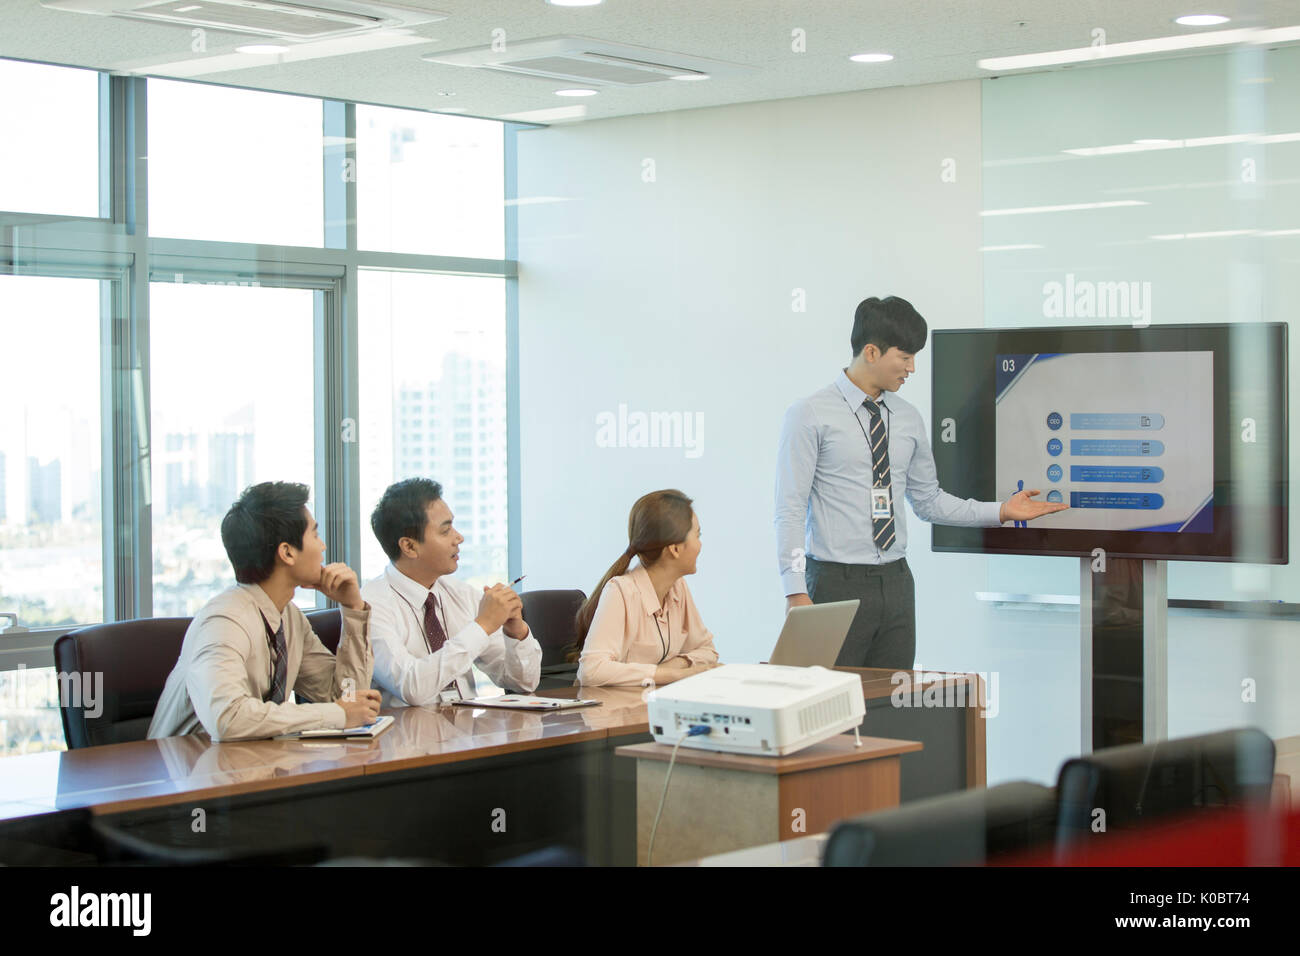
<point>123,666</point>
<point>328,625</point>
<point>1123,788</point>
<point>550,616</point>
<point>966,828</point>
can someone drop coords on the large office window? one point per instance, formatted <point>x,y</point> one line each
<point>429,184</point>
<point>433,404</point>
<point>198,339</point>
<point>234,165</point>
<point>51,518</point>
<point>49,162</point>
<point>232,383</point>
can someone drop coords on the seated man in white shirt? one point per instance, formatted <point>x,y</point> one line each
<point>428,629</point>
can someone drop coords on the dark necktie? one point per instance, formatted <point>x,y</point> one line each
<point>281,666</point>
<point>882,529</point>
<point>434,635</point>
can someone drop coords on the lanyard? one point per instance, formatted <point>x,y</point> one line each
<point>419,622</point>
<point>662,642</point>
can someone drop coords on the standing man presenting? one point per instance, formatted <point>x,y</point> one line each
<point>849,453</point>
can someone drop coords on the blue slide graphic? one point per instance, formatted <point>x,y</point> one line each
<point>1126,439</point>
<point>1148,475</point>
<point>1116,422</point>
<point>1116,446</point>
<point>1116,499</point>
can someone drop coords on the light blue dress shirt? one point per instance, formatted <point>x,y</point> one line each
<point>824,479</point>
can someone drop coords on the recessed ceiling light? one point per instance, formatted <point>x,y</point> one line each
<point>1201,20</point>
<point>691,77</point>
<point>575,3</point>
<point>871,57</point>
<point>576,92</point>
<point>261,48</point>
<point>192,6</point>
<point>1151,142</point>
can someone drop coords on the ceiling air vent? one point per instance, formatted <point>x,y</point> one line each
<point>584,60</point>
<point>266,18</point>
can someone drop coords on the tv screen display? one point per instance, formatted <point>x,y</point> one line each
<point>1166,442</point>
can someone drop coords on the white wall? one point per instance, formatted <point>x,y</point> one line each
<point>676,295</point>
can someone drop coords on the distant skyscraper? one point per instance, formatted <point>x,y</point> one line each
<point>230,467</point>
<point>44,491</point>
<point>180,462</point>
<point>454,431</point>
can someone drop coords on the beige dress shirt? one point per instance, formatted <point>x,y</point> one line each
<point>408,673</point>
<point>225,670</point>
<point>631,634</point>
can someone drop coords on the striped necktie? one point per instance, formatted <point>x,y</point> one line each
<point>281,666</point>
<point>882,529</point>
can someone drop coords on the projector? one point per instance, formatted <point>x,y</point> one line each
<point>757,708</point>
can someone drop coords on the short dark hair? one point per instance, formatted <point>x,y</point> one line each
<point>886,323</point>
<point>403,512</point>
<point>264,516</point>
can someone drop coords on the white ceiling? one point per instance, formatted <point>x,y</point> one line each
<point>932,41</point>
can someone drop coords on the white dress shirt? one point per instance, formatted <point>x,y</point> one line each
<point>409,673</point>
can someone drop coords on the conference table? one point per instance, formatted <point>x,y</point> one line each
<point>451,784</point>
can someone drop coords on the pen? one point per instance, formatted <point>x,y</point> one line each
<point>518,579</point>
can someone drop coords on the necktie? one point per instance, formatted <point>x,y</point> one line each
<point>882,529</point>
<point>434,635</point>
<point>281,666</point>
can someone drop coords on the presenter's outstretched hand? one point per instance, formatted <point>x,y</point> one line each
<point>1021,507</point>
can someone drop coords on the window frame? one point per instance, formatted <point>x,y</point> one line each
<point>117,249</point>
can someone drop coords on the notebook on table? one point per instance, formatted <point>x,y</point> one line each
<point>526,702</point>
<point>372,729</point>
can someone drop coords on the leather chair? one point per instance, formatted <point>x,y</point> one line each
<point>550,615</point>
<point>967,828</point>
<point>328,625</point>
<point>134,658</point>
<point>1141,783</point>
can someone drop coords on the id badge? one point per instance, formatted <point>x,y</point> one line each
<point>450,694</point>
<point>880,503</point>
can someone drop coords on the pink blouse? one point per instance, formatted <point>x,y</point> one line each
<point>631,634</point>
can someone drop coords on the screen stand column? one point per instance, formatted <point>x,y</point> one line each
<point>1123,612</point>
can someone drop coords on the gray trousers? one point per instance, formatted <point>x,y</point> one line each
<point>883,633</point>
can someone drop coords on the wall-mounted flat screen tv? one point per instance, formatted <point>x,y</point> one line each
<point>1167,442</point>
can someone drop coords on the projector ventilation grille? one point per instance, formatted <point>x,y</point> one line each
<point>824,713</point>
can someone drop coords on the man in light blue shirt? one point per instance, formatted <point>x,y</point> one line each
<point>849,454</point>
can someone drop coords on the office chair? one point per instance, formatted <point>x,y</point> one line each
<point>328,625</point>
<point>1125,788</point>
<point>549,616</point>
<point>967,828</point>
<point>77,838</point>
<point>134,659</point>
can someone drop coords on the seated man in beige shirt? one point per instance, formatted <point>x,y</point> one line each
<point>641,626</point>
<point>251,645</point>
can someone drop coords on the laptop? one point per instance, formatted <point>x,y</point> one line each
<point>813,634</point>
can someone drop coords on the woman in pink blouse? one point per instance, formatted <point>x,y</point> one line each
<point>641,626</point>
